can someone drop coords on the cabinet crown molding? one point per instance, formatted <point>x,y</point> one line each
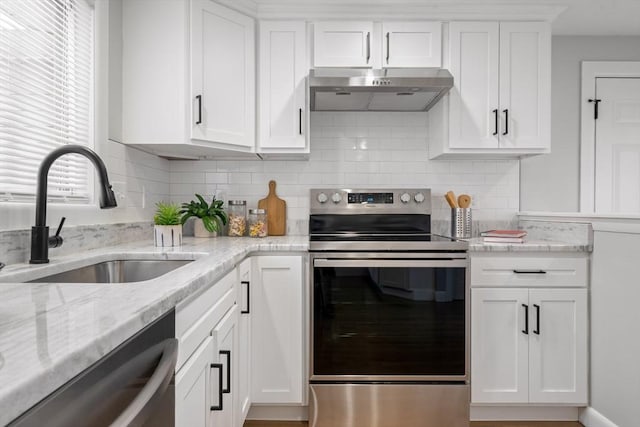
<point>389,10</point>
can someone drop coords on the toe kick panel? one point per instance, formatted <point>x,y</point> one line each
<point>389,405</point>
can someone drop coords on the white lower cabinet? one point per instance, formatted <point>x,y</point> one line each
<point>244,341</point>
<point>206,331</point>
<point>241,342</point>
<point>192,388</point>
<point>224,376</point>
<point>529,344</point>
<point>277,327</point>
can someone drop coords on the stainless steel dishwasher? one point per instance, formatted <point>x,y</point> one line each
<point>131,386</point>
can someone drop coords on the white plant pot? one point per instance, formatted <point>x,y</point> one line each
<point>166,236</point>
<point>200,231</point>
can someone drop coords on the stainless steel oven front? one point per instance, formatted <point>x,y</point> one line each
<point>389,339</point>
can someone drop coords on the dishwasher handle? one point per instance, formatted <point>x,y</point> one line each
<point>152,393</point>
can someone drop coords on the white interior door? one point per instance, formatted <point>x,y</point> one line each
<point>617,160</point>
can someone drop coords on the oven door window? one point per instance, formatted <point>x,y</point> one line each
<point>389,321</point>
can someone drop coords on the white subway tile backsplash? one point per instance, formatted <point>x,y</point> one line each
<point>372,149</point>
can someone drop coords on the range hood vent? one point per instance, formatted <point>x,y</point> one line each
<point>394,89</point>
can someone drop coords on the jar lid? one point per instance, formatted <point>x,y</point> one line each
<point>258,211</point>
<point>237,202</point>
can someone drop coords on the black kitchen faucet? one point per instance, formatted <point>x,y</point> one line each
<point>40,239</point>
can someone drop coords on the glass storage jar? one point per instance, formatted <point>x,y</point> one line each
<point>258,223</point>
<point>237,212</point>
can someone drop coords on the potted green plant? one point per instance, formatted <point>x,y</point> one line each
<point>210,217</point>
<point>167,229</point>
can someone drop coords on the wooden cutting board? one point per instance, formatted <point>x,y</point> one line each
<point>276,211</point>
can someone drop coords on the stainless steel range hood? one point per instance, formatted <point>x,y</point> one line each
<point>395,89</point>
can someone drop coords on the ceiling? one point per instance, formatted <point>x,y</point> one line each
<point>581,17</point>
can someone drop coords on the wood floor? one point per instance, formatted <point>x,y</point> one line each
<point>473,424</point>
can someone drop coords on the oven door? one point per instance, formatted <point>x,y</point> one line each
<point>389,317</point>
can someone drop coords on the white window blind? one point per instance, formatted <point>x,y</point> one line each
<point>46,96</point>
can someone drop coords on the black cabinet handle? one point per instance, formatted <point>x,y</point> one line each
<point>387,48</point>
<point>506,122</point>
<point>227,353</point>
<point>368,47</point>
<point>199,98</point>
<point>526,319</point>
<point>218,407</point>
<point>537,329</point>
<point>495,126</point>
<point>300,121</point>
<point>248,310</point>
<point>529,272</point>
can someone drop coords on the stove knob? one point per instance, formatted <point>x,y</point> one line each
<point>336,198</point>
<point>419,198</point>
<point>405,198</point>
<point>322,198</point>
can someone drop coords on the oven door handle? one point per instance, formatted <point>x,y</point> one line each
<point>389,263</point>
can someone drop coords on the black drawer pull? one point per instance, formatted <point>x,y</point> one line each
<point>248,310</point>
<point>227,353</point>
<point>537,329</point>
<point>529,272</point>
<point>218,407</point>
<point>526,319</point>
<point>199,98</point>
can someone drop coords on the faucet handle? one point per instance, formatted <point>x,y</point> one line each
<point>56,241</point>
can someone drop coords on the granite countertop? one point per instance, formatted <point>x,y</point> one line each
<point>50,332</point>
<point>477,245</point>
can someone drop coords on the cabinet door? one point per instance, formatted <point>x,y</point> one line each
<point>193,401</point>
<point>283,70</point>
<point>525,85</point>
<point>473,100</point>
<point>222,75</point>
<point>411,44</point>
<point>342,44</point>
<point>277,373</point>
<point>499,347</point>
<point>244,341</point>
<point>225,352</point>
<point>558,346</point>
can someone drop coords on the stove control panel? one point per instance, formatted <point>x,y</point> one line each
<point>377,198</point>
<point>351,201</point>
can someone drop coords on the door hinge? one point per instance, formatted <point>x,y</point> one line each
<point>595,102</point>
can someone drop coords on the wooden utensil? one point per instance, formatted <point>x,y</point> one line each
<point>464,200</point>
<point>276,211</point>
<point>451,199</point>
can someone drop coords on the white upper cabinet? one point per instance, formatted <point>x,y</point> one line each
<point>525,85</point>
<point>343,44</point>
<point>411,44</point>
<point>188,78</point>
<point>500,105</point>
<point>222,75</point>
<point>473,101</point>
<point>283,112</point>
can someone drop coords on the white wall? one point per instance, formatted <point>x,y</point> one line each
<point>356,150</point>
<point>551,182</point>
<point>615,320</point>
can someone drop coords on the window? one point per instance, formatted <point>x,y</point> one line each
<point>46,96</point>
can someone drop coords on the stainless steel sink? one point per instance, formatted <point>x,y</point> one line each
<point>116,271</point>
